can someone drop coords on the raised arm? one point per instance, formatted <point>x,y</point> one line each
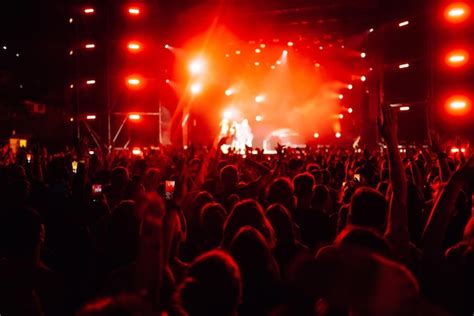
<point>397,225</point>
<point>435,230</point>
<point>440,151</point>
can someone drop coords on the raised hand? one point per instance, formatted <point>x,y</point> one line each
<point>436,144</point>
<point>465,173</point>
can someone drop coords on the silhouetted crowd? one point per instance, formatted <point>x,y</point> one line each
<point>313,231</point>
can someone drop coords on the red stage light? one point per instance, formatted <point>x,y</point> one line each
<point>363,78</point>
<point>456,150</point>
<point>457,58</point>
<point>136,151</point>
<point>134,82</point>
<point>350,110</point>
<point>260,98</point>
<point>404,23</point>
<point>290,44</point>
<point>134,47</point>
<point>196,88</point>
<point>457,12</point>
<point>134,117</point>
<point>338,135</point>
<point>458,105</point>
<point>89,10</point>
<point>196,66</point>
<point>134,11</point>
<point>316,135</point>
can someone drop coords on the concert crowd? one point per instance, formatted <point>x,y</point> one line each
<point>173,231</point>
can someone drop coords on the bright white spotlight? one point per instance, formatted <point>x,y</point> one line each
<point>341,116</point>
<point>316,135</point>
<point>350,110</point>
<point>404,23</point>
<point>403,66</point>
<point>134,81</point>
<point>363,78</point>
<point>458,105</point>
<point>167,46</point>
<point>196,66</point>
<point>341,96</point>
<point>136,151</point>
<point>290,44</point>
<point>196,88</point>
<point>258,118</point>
<point>228,114</point>
<point>363,55</point>
<point>285,52</point>
<point>457,58</point>
<point>259,98</point>
<point>350,86</point>
<point>229,92</point>
<point>338,135</point>
<point>134,117</point>
<point>258,50</point>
